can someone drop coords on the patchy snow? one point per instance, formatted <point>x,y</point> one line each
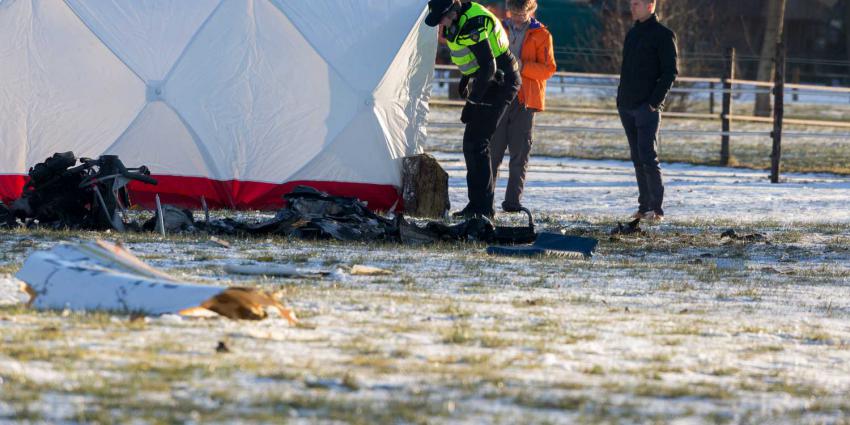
<point>608,189</point>
<point>10,291</point>
<point>678,326</point>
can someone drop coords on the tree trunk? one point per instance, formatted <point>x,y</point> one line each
<point>772,34</point>
<point>425,187</point>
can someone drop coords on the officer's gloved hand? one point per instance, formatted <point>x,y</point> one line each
<point>463,87</point>
<point>499,77</point>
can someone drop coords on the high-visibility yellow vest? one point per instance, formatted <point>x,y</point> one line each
<point>491,30</point>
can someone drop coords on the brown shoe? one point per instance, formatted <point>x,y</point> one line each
<point>653,217</point>
<point>637,215</point>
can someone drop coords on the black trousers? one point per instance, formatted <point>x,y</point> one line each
<point>641,125</point>
<point>481,123</point>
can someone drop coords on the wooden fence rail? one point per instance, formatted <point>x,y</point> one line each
<point>727,86</point>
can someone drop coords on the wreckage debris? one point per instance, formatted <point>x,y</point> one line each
<point>100,276</point>
<point>93,196</point>
<point>360,270</point>
<point>222,348</point>
<point>6,217</point>
<point>311,214</point>
<point>550,244</point>
<point>89,196</point>
<point>174,220</point>
<point>273,270</point>
<point>220,242</point>
<point>476,229</point>
<point>631,228</point>
<point>753,237</point>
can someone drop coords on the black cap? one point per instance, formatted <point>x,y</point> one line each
<point>436,10</point>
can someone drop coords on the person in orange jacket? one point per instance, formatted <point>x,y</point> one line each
<point>531,43</point>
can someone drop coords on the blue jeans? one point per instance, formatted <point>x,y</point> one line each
<point>641,125</point>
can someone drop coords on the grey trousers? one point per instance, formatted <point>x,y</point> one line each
<point>514,134</point>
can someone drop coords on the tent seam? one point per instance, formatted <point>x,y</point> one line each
<point>189,44</point>
<point>316,50</point>
<point>105,44</point>
<point>129,127</point>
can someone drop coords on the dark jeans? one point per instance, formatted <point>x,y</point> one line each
<point>481,122</point>
<point>514,134</point>
<point>641,125</point>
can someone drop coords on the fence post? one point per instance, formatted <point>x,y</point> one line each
<point>454,77</point>
<point>778,112</point>
<point>726,115</point>
<point>711,99</point>
<point>796,80</point>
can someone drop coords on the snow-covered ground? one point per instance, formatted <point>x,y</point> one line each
<point>608,189</point>
<point>676,326</point>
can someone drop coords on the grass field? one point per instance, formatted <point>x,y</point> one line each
<point>653,328</point>
<point>676,326</point>
<point>799,154</point>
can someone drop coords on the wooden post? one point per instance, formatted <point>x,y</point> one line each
<point>778,112</point>
<point>453,75</point>
<point>726,117</point>
<point>796,79</point>
<point>711,99</point>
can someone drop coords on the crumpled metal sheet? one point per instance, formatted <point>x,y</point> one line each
<point>311,214</point>
<point>100,276</point>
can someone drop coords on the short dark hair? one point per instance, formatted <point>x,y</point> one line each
<point>528,6</point>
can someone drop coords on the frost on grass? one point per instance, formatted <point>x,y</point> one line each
<point>652,328</point>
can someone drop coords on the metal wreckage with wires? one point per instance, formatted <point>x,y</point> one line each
<point>62,194</point>
<point>93,196</point>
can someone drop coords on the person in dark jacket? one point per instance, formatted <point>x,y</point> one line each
<point>649,69</point>
<point>480,49</point>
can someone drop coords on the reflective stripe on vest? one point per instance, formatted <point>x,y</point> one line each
<point>493,31</point>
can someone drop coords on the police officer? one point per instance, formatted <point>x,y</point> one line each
<point>481,50</point>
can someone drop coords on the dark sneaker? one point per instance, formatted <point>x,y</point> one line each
<point>511,207</point>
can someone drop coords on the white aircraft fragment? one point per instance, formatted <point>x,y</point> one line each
<point>100,276</point>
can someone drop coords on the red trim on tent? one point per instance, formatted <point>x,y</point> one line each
<point>187,191</point>
<point>11,187</point>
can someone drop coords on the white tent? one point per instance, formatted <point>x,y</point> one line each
<point>236,100</point>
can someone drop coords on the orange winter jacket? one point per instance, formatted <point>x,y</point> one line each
<point>538,64</point>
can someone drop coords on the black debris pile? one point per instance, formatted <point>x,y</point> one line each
<point>174,220</point>
<point>753,237</point>
<point>61,194</point>
<point>476,229</point>
<point>93,196</point>
<point>311,214</point>
<point>6,217</point>
<point>630,228</point>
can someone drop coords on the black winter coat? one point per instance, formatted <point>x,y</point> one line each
<point>650,65</point>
